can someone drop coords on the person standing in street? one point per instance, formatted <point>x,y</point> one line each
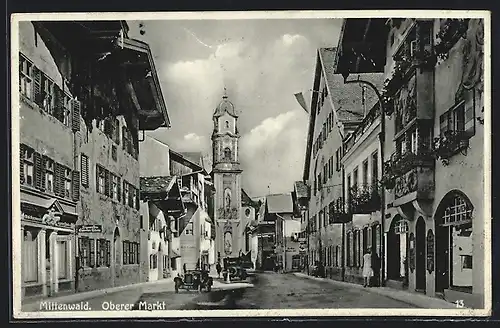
<point>218,268</point>
<point>367,268</point>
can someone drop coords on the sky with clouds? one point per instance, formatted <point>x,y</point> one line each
<point>262,63</point>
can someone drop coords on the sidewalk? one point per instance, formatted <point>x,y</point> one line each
<point>418,300</point>
<point>129,294</point>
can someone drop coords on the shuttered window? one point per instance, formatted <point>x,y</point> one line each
<point>84,169</point>
<point>103,253</point>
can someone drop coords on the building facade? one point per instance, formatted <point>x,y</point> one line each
<point>83,161</point>
<point>434,227</point>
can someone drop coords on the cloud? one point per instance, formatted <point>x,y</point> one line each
<point>273,153</point>
<point>289,39</point>
<point>261,78</point>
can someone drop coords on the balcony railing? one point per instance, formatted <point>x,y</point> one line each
<point>364,199</point>
<point>400,164</point>
<point>449,144</point>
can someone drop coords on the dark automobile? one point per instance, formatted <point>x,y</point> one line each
<point>318,270</point>
<point>236,272</point>
<point>194,280</point>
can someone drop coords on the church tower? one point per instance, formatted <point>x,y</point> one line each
<point>227,181</point>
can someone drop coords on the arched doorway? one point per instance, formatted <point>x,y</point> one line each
<point>453,221</point>
<point>420,274</point>
<point>397,252</point>
<point>117,257</point>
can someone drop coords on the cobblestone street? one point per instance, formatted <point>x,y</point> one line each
<point>287,291</point>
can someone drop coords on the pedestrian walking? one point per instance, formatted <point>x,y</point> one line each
<point>367,268</point>
<point>218,268</point>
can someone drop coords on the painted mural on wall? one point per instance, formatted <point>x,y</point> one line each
<point>228,238</point>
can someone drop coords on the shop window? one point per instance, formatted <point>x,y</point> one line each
<point>86,249</point>
<point>153,261</point>
<point>466,261</point>
<point>103,253</point>
<point>30,257</point>
<point>25,77</point>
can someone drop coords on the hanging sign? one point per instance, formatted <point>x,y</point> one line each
<point>89,228</point>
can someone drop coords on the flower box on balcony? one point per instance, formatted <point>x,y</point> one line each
<point>365,199</point>
<point>450,143</point>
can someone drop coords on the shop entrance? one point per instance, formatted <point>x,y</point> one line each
<point>397,252</point>
<point>454,243</point>
<point>420,274</point>
<point>117,257</point>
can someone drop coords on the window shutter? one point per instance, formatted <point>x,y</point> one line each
<point>108,253</point>
<point>470,123</point>
<point>130,194</point>
<point>107,127</point>
<point>44,167</point>
<point>76,185</point>
<point>119,189</point>
<point>137,205</point>
<point>125,257</point>
<point>97,174</point>
<point>75,120</point>
<point>123,192</point>
<point>107,181</point>
<point>92,253</point>
<point>84,163</point>
<point>124,137</point>
<point>37,86</point>
<point>58,103</point>
<point>22,149</point>
<point>38,169</point>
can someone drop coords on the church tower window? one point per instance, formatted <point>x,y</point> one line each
<point>227,153</point>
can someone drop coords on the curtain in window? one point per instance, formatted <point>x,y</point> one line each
<point>30,257</point>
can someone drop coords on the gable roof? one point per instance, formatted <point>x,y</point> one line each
<point>184,160</point>
<point>346,99</point>
<point>301,189</point>
<point>157,184</point>
<point>279,203</point>
<point>246,200</point>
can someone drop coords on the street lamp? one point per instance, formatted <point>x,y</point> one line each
<point>345,75</point>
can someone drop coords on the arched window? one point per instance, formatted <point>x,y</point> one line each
<point>227,153</point>
<point>458,211</point>
<point>227,124</point>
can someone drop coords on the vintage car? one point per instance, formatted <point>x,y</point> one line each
<point>235,272</point>
<point>194,280</point>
